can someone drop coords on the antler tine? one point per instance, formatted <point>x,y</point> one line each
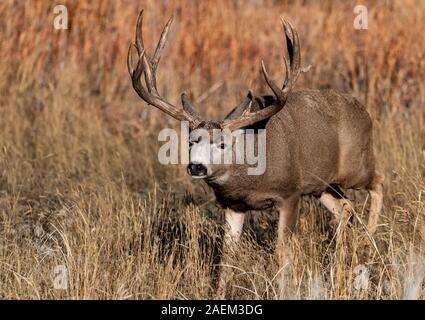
<point>161,43</point>
<point>139,35</point>
<point>272,84</point>
<point>150,75</point>
<point>147,67</point>
<point>287,74</point>
<point>288,40</point>
<point>293,45</point>
<point>130,59</point>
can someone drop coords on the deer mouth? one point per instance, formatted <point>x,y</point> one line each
<point>199,177</point>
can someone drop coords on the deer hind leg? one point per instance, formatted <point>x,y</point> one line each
<point>233,230</point>
<point>334,200</point>
<point>376,201</point>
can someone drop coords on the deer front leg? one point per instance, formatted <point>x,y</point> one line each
<point>288,214</point>
<point>233,229</point>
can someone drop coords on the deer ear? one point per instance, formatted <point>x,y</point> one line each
<point>188,107</point>
<point>241,108</point>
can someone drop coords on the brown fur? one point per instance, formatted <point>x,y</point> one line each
<point>319,141</point>
<point>319,138</point>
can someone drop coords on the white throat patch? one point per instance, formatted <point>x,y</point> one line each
<point>221,179</point>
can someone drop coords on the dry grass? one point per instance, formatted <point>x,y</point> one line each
<point>80,185</point>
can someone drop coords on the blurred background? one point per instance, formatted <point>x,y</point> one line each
<point>80,184</point>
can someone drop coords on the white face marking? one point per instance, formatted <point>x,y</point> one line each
<point>222,179</point>
<point>202,151</point>
<point>206,154</point>
<point>216,151</point>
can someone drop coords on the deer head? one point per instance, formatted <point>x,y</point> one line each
<point>204,148</point>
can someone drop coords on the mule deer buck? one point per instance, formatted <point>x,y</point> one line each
<point>317,142</point>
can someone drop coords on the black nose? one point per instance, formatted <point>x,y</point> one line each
<point>197,169</point>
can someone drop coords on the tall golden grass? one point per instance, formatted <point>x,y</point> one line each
<point>81,187</point>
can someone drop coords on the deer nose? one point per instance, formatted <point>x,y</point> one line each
<point>196,169</point>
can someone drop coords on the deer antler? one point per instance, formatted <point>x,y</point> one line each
<point>147,67</point>
<point>292,71</point>
<point>292,68</point>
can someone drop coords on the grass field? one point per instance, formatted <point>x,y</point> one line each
<point>83,196</point>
